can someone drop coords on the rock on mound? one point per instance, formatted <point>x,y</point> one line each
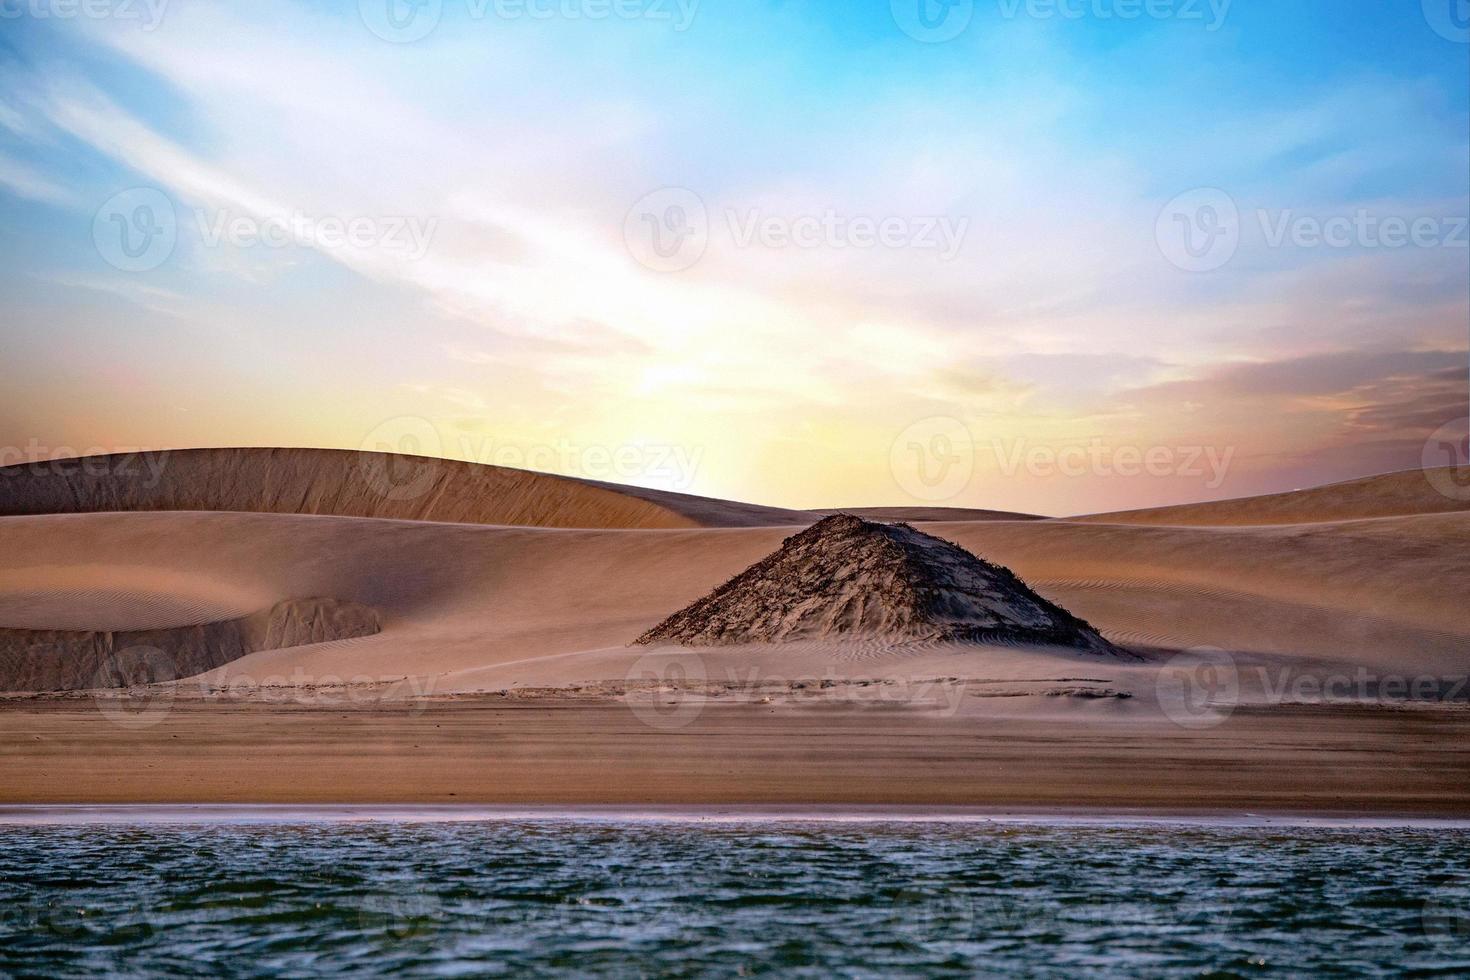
<point>845,575</point>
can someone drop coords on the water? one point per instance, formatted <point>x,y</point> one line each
<point>628,898</point>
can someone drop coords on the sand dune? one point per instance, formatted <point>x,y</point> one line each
<point>354,484</point>
<point>461,602</point>
<point>547,615</point>
<point>1388,495</point>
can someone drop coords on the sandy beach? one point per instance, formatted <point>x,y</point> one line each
<point>474,750</point>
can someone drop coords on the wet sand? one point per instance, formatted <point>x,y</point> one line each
<point>1339,760</point>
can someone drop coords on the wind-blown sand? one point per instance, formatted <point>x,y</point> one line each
<point>547,616</point>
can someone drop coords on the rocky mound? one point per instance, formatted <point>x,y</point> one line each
<point>844,575</point>
<point>69,660</point>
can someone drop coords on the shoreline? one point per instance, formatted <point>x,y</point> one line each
<point>530,757</point>
<point>221,814</point>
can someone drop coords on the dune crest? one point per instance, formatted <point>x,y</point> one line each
<point>1387,495</point>
<point>357,484</point>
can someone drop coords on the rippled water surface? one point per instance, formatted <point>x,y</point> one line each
<point>687,899</point>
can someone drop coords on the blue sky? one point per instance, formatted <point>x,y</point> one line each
<point>502,167</point>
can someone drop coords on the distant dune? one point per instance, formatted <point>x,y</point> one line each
<point>1388,495</point>
<point>913,515</point>
<point>356,484</point>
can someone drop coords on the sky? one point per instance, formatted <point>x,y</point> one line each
<point>1056,256</point>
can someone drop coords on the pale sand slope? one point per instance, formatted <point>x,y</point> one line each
<point>478,607</point>
<point>1435,491</point>
<point>357,484</point>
